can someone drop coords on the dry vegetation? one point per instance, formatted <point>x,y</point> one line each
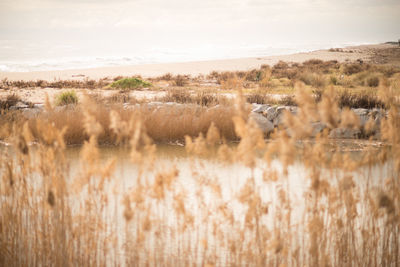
<point>356,85</point>
<point>345,213</point>
<point>10,101</point>
<point>162,123</point>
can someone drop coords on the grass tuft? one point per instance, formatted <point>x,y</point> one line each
<point>66,98</point>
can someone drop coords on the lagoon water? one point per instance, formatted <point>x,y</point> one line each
<point>206,186</point>
<point>196,174</point>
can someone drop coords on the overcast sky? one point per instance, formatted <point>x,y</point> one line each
<point>183,22</point>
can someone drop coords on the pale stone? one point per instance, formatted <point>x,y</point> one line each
<point>264,124</point>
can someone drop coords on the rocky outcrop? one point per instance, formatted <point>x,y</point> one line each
<point>369,121</point>
<point>263,123</point>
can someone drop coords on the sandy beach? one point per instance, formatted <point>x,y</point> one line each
<point>367,53</point>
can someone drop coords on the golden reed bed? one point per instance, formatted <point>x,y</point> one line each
<point>86,215</point>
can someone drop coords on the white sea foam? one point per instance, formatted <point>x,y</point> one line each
<point>4,68</point>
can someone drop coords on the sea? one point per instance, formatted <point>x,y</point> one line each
<point>27,56</point>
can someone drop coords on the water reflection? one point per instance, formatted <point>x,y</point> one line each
<point>209,188</point>
<point>179,202</point>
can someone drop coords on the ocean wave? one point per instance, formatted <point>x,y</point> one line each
<point>4,68</point>
<point>63,64</point>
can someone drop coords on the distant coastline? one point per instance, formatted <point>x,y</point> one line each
<point>20,57</point>
<point>350,53</point>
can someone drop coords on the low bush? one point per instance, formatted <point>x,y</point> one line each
<point>373,81</point>
<point>208,99</point>
<point>165,77</point>
<point>201,98</point>
<point>259,98</point>
<point>11,100</point>
<point>177,96</point>
<point>255,75</point>
<point>180,80</point>
<point>359,100</point>
<point>287,100</point>
<point>119,98</point>
<point>130,83</point>
<point>350,69</point>
<point>313,79</point>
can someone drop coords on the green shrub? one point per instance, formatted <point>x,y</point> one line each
<point>130,83</point>
<point>66,98</point>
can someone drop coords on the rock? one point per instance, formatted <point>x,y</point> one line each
<point>377,115</point>
<point>278,120</point>
<point>270,114</point>
<point>38,106</point>
<point>344,133</point>
<point>19,105</point>
<point>362,114</point>
<point>254,106</point>
<point>360,111</point>
<point>258,108</point>
<point>293,109</point>
<point>317,127</point>
<point>265,125</point>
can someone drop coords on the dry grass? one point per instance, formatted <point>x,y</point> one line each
<point>86,83</point>
<point>162,123</point>
<point>175,80</point>
<point>345,211</point>
<point>364,99</point>
<point>9,101</point>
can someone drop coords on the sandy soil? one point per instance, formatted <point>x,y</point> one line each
<point>381,53</point>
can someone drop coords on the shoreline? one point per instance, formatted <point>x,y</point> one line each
<point>194,68</point>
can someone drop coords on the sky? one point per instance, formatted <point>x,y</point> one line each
<point>187,23</point>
